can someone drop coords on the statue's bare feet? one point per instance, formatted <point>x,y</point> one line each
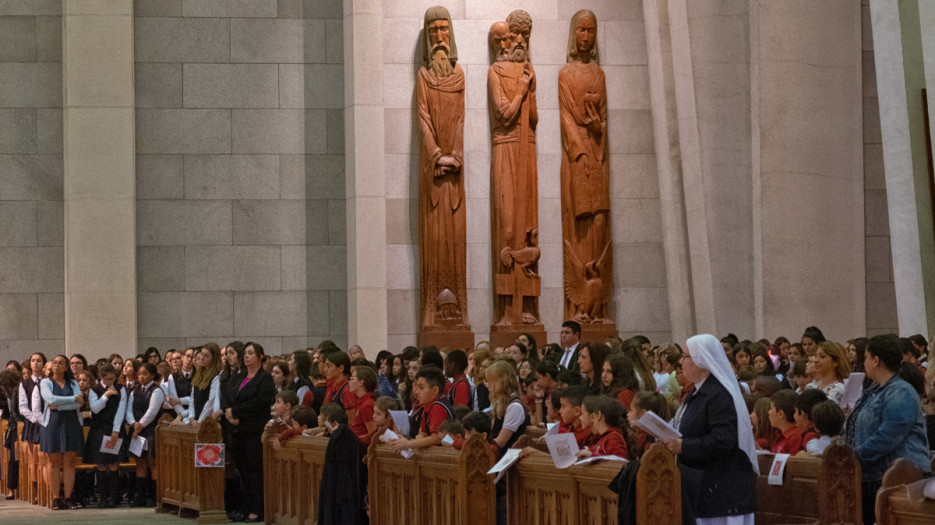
<point>529,319</point>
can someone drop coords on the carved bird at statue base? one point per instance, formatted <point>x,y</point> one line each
<point>526,257</point>
<point>588,285</point>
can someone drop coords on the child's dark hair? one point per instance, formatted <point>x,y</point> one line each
<point>828,418</point>
<point>334,413</point>
<point>457,358</point>
<point>530,379</point>
<point>433,376</point>
<point>338,358</point>
<point>431,357</point>
<point>575,394</point>
<point>306,417</point>
<point>289,397</point>
<point>653,402</point>
<point>476,421</point>
<point>808,399</point>
<point>459,411</point>
<point>785,400</point>
<point>556,398</point>
<point>611,410</point>
<point>107,368</point>
<point>570,378</point>
<point>547,367</point>
<point>451,426</point>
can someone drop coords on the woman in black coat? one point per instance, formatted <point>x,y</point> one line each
<point>716,454</point>
<point>252,393</point>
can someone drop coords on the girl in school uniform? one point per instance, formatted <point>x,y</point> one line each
<point>143,407</point>
<point>206,385</point>
<point>510,418</point>
<point>108,401</point>
<point>603,416</point>
<point>31,410</point>
<point>619,380</point>
<point>61,436</point>
<point>129,373</point>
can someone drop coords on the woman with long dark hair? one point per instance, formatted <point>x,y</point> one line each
<point>591,364</point>
<point>61,436</point>
<point>206,385</point>
<point>31,407</point>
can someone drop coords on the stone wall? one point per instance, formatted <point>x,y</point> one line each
<point>31,174</point>
<point>240,172</point>
<point>640,303</point>
<point>881,292</point>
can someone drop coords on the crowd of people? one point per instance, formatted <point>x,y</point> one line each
<point>728,399</point>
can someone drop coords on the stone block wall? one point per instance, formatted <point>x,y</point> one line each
<point>32,307</point>
<point>640,303</point>
<point>881,292</point>
<point>240,172</point>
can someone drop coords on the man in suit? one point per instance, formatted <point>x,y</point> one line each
<point>569,338</point>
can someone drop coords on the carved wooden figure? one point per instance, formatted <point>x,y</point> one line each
<point>511,91</point>
<point>442,223</point>
<point>585,180</point>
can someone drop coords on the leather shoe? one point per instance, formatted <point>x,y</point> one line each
<point>254,519</point>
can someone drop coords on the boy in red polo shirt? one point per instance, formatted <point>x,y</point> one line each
<point>429,387</point>
<point>570,414</point>
<point>336,367</point>
<point>803,414</point>
<point>782,417</point>
<point>459,389</point>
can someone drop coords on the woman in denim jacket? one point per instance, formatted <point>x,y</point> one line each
<point>886,423</point>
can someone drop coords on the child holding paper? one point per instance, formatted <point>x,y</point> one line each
<point>570,414</point>
<point>603,416</point>
<point>142,409</point>
<point>108,402</point>
<point>429,389</point>
<point>381,413</point>
<point>642,403</point>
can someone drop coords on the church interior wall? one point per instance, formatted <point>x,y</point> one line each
<point>640,302</point>
<point>32,307</point>
<point>240,173</point>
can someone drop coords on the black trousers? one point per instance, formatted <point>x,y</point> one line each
<point>248,455</point>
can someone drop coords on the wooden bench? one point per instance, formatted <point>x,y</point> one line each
<point>537,492</point>
<point>437,485</point>
<point>292,478</point>
<point>816,489</point>
<point>893,505</point>
<point>178,482</point>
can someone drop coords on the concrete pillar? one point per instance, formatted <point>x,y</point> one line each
<point>366,181</point>
<point>99,179</point>
<point>898,49</point>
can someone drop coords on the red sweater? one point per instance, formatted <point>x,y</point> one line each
<point>610,443</point>
<point>789,442</point>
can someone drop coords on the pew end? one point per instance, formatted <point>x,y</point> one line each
<point>893,504</point>
<point>292,478</point>
<point>839,487</point>
<point>179,483</point>
<point>658,488</point>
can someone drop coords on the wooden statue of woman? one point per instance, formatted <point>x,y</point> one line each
<point>585,179</point>
<point>442,219</point>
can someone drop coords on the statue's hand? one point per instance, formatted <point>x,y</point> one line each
<point>446,165</point>
<point>595,127</point>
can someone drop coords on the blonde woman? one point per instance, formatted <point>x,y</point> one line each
<point>831,368</point>
<point>510,418</point>
<point>206,384</point>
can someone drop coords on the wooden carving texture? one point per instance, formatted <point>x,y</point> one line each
<point>181,484</point>
<point>796,500</point>
<point>658,488</point>
<point>839,486</point>
<point>478,491</point>
<point>291,479</point>
<point>893,506</point>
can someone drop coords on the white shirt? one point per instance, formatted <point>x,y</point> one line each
<point>566,357</point>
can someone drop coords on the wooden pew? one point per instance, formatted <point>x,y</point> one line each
<point>291,479</point>
<point>178,482</point>
<point>893,505</point>
<point>437,485</point>
<point>537,492</point>
<point>816,489</point>
<point>4,455</point>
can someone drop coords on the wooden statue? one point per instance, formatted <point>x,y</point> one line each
<point>585,179</point>
<point>511,91</point>
<point>442,224</point>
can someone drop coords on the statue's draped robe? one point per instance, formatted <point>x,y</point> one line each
<point>513,187</point>
<point>442,225</point>
<point>585,178</point>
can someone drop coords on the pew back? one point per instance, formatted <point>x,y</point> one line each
<point>437,485</point>
<point>893,505</point>
<point>179,482</point>
<point>291,479</point>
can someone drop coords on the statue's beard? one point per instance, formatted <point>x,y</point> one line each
<point>441,64</point>
<point>518,53</point>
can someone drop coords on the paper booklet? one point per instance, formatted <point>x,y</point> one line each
<point>510,457</point>
<point>853,388</point>
<point>657,427</point>
<point>594,459</point>
<point>552,429</point>
<point>401,420</point>
<point>388,436</point>
<point>114,450</point>
<point>564,449</point>
<point>137,446</point>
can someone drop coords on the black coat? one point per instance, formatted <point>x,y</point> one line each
<point>343,481</point>
<point>251,404</point>
<point>716,475</point>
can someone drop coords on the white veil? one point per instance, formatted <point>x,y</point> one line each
<point>708,353</point>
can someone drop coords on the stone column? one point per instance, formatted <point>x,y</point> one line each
<point>99,180</point>
<point>366,181</point>
<point>898,49</point>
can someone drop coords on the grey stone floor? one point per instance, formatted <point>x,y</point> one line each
<point>16,512</point>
